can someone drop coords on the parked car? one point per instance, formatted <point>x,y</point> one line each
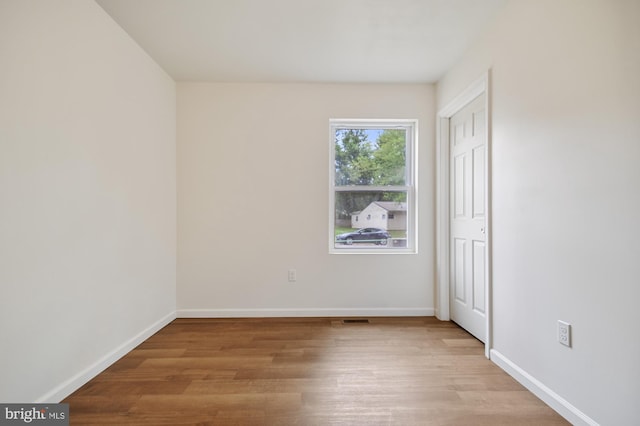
<point>364,235</point>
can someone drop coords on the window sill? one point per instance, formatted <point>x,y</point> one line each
<point>373,250</point>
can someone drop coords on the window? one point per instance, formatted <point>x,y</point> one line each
<point>373,175</point>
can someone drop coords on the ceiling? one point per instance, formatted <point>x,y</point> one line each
<point>340,41</point>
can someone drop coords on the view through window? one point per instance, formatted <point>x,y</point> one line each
<point>372,195</point>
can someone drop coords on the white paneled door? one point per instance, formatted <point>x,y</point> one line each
<point>468,217</point>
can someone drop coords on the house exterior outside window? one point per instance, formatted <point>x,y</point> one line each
<point>373,175</point>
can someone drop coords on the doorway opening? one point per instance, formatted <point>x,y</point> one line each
<point>463,216</point>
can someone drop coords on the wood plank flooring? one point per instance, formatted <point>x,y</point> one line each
<point>307,371</point>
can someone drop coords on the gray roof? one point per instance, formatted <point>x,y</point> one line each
<point>392,206</point>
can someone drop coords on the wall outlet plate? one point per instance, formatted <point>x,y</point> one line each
<point>564,333</point>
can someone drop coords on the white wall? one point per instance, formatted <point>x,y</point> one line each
<point>566,195</point>
<point>87,193</point>
<point>258,154</point>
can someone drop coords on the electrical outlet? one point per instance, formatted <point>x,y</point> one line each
<point>293,276</point>
<point>564,333</point>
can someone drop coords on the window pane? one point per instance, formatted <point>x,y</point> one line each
<point>370,157</point>
<point>370,219</point>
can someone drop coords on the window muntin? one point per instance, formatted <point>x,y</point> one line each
<point>372,186</point>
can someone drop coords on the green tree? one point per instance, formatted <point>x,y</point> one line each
<point>359,161</point>
<point>389,158</point>
<point>353,153</point>
<point>353,156</point>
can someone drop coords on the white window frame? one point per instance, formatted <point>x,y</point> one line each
<point>410,187</point>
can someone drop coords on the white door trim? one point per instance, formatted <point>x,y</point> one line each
<point>476,89</point>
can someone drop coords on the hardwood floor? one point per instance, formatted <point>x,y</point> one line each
<point>308,371</point>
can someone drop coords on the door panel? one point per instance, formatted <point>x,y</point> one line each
<point>479,123</point>
<point>468,221</point>
<point>458,133</point>
<point>459,185</point>
<point>459,252</point>
<point>479,259</point>
<point>479,193</point>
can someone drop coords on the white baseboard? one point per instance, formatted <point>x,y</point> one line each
<point>319,312</point>
<point>68,387</point>
<point>552,399</point>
